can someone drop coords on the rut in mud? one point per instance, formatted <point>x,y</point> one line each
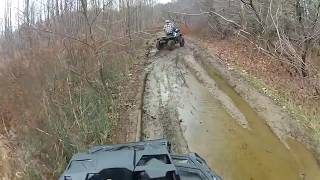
<point>201,113</point>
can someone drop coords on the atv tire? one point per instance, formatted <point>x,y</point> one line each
<point>171,45</point>
<point>182,42</point>
<point>159,46</point>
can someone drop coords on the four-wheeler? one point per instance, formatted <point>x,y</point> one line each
<point>171,40</point>
<point>149,160</point>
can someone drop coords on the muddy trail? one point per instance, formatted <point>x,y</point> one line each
<point>200,112</point>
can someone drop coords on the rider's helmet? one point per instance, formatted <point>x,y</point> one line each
<point>168,21</point>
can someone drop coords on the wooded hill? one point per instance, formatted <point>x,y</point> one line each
<point>64,65</point>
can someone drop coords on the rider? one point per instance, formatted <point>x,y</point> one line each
<point>169,28</point>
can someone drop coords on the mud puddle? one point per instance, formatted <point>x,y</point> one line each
<point>237,153</point>
<point>183,110</point>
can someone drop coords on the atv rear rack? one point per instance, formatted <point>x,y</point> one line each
<point>137,161</point>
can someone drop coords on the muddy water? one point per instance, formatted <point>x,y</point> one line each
<point>234,152</point>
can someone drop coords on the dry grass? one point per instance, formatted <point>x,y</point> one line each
<point>302,91</point>
<point>59,100</point>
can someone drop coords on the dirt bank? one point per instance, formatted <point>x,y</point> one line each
<point>128,128</point>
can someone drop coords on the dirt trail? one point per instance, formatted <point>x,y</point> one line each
<point>187,101</point>
<point>161,118</point>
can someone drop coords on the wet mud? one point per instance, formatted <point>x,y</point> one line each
<point>198,111</point>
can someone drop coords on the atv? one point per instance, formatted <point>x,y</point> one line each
<point>149,160</point>
<point>170,40</point>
